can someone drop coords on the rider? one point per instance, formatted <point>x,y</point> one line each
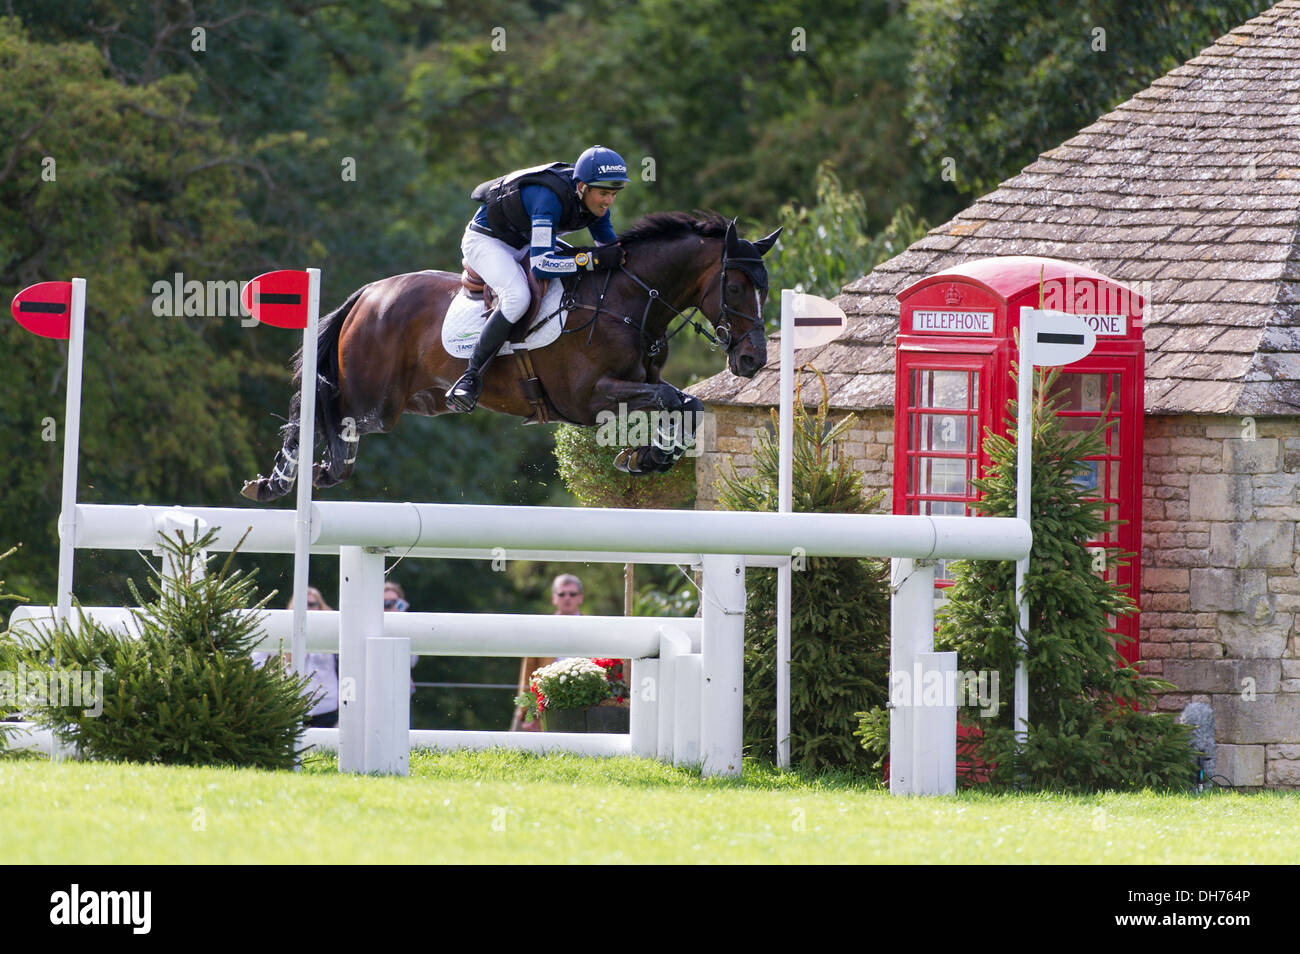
<point>522,215</point>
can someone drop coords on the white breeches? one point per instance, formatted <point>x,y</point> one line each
<point>499,266</point>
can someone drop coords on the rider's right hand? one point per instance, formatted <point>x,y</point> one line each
<point>607,257</point>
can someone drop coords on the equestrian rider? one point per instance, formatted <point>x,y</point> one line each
<point>522,215</point>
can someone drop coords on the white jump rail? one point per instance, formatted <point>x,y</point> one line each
<point>686,687</point>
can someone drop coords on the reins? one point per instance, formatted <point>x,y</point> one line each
<point>653,346</point>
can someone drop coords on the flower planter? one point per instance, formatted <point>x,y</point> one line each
<point>591,719</point>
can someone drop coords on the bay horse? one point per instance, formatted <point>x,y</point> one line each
<point>380,354</point>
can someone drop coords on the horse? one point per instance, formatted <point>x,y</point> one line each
<point>380,354</point>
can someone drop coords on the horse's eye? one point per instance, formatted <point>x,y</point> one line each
<point>733,288</point>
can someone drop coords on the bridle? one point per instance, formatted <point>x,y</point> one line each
<point>752,267</point>
<point>721,336</point>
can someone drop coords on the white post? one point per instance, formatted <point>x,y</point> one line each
<point>388,705</point>
<point>1024,464</point>
<point>911,628</point>
<point>643,696</point>
<point>169,524</point>
<point>934,748</point>
<point>722,601</point>
<point>71,447</point>
<point>688,681</point>
<point>785,500</point>
<point>361,614</point>
<point>306,458</point>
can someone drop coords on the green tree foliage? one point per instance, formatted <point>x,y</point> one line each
<point>839,625</point>
<point>586,461</point>
<point>9,657</point>
<point>826,246</point>
<point>1090,727</point>
<point>999,81</point>
<point>185,692</point>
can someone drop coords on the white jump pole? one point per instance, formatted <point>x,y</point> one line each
<point>911,626</point>
<point>306,456</point>
<point>388,748</point>
<point>361,615</point>
<point>722,650</point>
<point>1024,461</point>
<point>71,447</point>
<point>785,504</point>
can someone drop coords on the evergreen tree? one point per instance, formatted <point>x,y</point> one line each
<point>839,625</point>
<point>186,691</point>
<point>1089,721</point>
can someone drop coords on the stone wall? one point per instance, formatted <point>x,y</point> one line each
<point>734,432</point>
<point>1219,585</point>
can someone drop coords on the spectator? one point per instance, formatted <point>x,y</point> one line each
<point>566,596</point>
<point>322,670</point>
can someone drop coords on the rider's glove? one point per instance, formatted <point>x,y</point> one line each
<point>600,259</point>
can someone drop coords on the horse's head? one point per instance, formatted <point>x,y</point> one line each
<point>734,301</point>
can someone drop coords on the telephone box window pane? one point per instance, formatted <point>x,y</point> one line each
<point>944,476</point>
<point>945,389</point>
<point>943,508</point>
<point>943,432</point>
<point>1090,479</point>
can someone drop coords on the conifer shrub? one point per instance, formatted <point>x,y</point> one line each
<point>1090,724</point>
<point>10,656</point>
<point>839,625</point>
<point>185,691</point>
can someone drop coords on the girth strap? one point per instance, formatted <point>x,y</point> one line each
<point>544,411</point>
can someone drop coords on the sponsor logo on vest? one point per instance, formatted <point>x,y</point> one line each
<point>953,322</point>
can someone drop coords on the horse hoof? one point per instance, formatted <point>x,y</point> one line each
<point>250,489</point>
<point>623,462</point>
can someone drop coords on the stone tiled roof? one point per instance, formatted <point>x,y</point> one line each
<point>1189,191</point>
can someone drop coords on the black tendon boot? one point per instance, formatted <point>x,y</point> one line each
<point>464,394</point>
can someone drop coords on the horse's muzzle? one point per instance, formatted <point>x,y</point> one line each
<point>746,363</point>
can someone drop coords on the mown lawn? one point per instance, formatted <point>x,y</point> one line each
<point>498,807</point>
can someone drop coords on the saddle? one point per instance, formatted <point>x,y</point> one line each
<point>479,290</point>
<point>534,392</point>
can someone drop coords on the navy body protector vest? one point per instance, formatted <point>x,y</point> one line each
<point>503,203</point>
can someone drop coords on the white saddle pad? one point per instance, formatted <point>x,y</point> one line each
<point>464,322</point>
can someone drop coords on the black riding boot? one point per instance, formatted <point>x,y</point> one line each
<point>464,394</point>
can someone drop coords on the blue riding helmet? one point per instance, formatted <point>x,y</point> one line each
<point>602,168</point>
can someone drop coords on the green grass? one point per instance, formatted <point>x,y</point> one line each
<point>499,807</point>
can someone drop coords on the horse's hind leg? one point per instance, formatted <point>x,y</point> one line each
<point>339,459</point>
<point>285,471</point>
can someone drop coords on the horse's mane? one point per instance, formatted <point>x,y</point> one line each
<point>666,226</point>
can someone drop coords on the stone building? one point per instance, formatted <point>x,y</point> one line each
<point>1190,193</point>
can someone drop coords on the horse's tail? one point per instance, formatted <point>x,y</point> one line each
<point>328,421</point>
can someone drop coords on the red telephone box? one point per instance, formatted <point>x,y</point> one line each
<point>954,357</point>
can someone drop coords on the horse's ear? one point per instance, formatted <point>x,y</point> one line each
<point>764,245</point>
<point>732,239</point>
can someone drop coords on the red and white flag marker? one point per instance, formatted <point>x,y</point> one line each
<point>58,310</point>
<point>290,298</point>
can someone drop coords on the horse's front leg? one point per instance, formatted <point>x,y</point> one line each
<point>668,417</point>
